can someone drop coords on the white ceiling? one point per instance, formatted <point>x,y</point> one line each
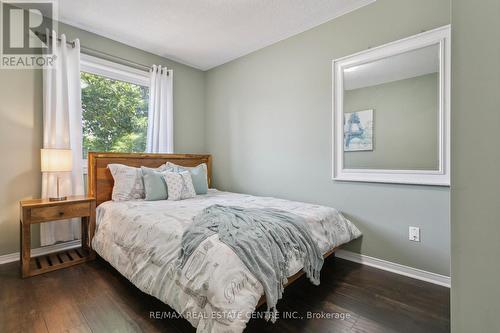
<point>201,33</point>
<point>398,67</point>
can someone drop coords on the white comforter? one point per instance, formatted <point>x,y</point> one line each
<point>214,291</point>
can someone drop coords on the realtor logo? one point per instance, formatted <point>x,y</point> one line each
<point>24,41</point>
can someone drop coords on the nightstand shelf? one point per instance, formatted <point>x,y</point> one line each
<point>43,210</point>
<point>54,261</point>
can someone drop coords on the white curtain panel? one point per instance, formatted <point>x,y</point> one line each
<point>62,128</point>
<point>161,111</point>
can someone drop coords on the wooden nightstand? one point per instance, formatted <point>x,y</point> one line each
<point>43,210</point>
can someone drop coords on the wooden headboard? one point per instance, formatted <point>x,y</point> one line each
<point>100,182</point>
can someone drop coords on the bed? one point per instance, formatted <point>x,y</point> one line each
<point>214,291</point>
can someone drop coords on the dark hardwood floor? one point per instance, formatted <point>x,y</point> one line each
<point>93,297</point>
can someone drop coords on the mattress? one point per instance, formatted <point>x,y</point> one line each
<point>214,291</point>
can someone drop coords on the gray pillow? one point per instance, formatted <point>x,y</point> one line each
<point>129,183</point>
<point>198,175</point>
<point>155,187</point>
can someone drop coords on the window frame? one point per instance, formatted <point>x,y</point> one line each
<point>113,71</point>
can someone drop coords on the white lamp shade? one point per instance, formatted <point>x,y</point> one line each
<point>56,160</point>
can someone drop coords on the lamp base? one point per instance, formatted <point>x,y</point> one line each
<point>58,199</point>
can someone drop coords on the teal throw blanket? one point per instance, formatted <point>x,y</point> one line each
<point>264,239</point>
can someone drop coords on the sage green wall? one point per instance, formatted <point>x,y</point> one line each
<point>405,128</point>
<point>269,129</point>
<point>475,195</point>
<point>21,126</point>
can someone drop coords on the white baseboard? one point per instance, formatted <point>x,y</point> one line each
<point>415,273</point>
<point>11,257</point>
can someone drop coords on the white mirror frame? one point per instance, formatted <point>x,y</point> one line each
<point>440,177</point>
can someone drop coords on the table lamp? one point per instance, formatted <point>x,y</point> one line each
<point>56,160</point>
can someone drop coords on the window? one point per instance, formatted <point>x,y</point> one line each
<point>114,106</point>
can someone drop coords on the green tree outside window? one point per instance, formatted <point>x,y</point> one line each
<point>115,115</point>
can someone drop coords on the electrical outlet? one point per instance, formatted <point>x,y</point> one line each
<point>414,234</point>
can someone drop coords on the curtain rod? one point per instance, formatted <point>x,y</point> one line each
<point>113,58</point>
<point>102,55</point>
<point>39,34</point>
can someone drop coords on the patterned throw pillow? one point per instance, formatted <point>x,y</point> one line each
<point>128,182</point>
<point>198,175</point>
<point>180,185</point>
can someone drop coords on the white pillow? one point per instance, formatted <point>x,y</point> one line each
<point>128,182</point>
<point>179,185</point>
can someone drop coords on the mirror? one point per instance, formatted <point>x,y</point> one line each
<point>391,112</point>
